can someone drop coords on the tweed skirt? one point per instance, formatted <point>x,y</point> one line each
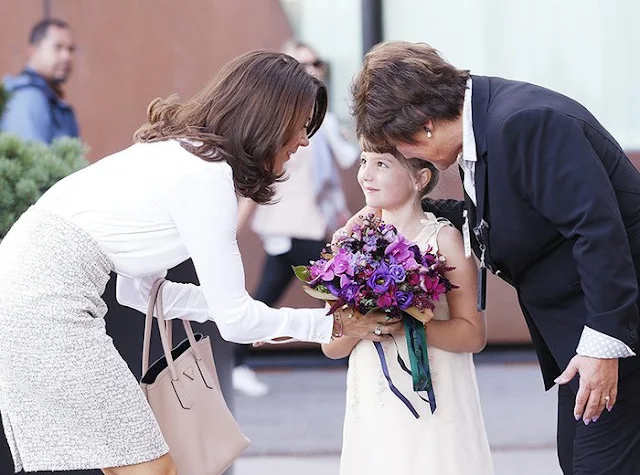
<point>67,398</point>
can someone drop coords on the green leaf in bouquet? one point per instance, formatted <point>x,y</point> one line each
<point>317,294</point>
<point>302,273</point>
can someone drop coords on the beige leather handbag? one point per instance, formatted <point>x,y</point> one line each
<point>184,393</point>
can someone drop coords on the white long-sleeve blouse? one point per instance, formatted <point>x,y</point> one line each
<point>154,205</point>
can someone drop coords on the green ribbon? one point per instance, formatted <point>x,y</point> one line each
<point>419,359</point>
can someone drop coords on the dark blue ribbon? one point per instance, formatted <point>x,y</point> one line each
<point>394,390</point>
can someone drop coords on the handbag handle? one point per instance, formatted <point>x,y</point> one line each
<point>164,327</point>
<point>146,340</point>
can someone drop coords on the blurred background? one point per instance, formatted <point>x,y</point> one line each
<point>129,52</point>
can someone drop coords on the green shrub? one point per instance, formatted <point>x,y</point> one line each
<point>28,169</point>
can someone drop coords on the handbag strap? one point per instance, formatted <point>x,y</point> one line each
<point>165,329</point>
<point>146,341</point>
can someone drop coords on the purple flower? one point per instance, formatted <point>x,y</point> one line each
<point>333,289</point>
<point>345,280</point>
<point>361,260</point>
<point>356,232</point>
<point>389,233</point>
<point>380,280</point>
<point>404,299</point>
<point>370,244</point>
<point>349,292</point>
<point>397,273</point>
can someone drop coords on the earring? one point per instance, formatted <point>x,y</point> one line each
<point>426,129</point>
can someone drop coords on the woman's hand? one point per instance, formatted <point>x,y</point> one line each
<point>374,327</point>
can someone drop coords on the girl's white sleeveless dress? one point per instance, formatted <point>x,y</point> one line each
<point>381,436</point>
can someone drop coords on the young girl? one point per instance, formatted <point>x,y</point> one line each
<point>381,436</point>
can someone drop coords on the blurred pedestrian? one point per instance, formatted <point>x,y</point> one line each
<point>37,109</point>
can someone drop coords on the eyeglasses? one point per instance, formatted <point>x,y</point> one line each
<point>318,63</point>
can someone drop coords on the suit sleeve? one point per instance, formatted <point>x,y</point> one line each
<point>556,170</point>
<point>449,209</point>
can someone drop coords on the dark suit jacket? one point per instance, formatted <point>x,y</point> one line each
<point>563,206</point>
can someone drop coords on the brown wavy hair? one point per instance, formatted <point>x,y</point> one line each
<point>245,115</point>
<point>400,87</point>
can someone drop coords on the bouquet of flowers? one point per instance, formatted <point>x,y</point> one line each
<point>376,269</point>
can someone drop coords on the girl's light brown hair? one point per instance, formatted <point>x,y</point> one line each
<point>250,110</point>
<point>401,86</point>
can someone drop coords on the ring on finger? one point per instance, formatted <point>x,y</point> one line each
<point>607,398</point>
<point>378,330</point>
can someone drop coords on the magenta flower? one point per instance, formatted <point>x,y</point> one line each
<point>410,264</point>
<point>399,249</point>
<point>413,279</point>
<point>322,270</point>
<point>342,263</point>
<point>385,301</point>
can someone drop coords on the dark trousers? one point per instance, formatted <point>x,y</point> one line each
<point>610,446</point>
<point>277,275</point>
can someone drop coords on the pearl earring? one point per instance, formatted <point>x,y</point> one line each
<point>428,132</point>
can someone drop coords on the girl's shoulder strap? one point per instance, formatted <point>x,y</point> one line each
<point>429,234</point>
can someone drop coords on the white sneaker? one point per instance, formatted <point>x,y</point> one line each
<point>246,381</point>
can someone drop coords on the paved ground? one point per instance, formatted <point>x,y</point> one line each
<point>297,427</point>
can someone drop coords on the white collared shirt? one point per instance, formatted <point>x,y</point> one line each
<point>592,342</point>
<point>468,158</point>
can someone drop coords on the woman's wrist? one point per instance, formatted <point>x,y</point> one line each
<point>338,328</point>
